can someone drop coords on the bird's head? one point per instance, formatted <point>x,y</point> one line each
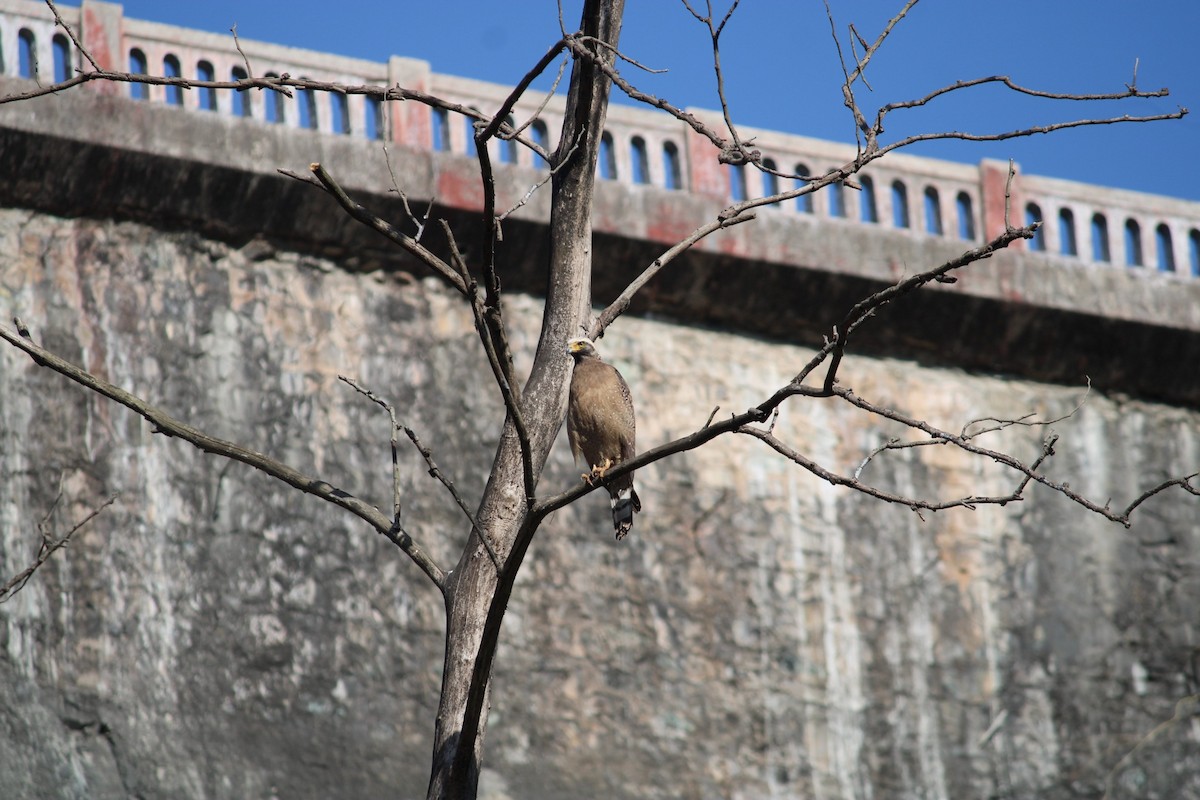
<point>581,348</point>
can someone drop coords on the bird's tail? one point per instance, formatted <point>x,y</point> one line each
<point>625,502</point>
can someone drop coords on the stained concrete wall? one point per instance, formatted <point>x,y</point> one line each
<point>760,635</point>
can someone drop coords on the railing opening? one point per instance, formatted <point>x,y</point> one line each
<point>508,147</point>
<point>837,199</point>
<point>737,182</point>
<point>900,218</point>
<point>206,97</point>
<point>1164,248</point>
<point>306,101</point>
<point>339,114</point>
<point>1066,233</point>
<point>62,58</point>
<point>373,118</point>
<point>138,65</point>
<point>672,171</point>
<point>1194,251</point>
<point>966,216</point>
<point>1100,249</point>
<point>638,160</point>
<point>933,212</point>
<point>273,101</point>
<point>440,119</point>
<point>1033,215</point>
<point>171,69</point>
<point>1133,244</point>
<point>541,136</point>
<point>27,66</point>
<point>868,211</point>
<point>606,164</point>
<point>804,202</point>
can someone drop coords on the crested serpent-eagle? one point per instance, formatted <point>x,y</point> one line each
<point>601,427</point>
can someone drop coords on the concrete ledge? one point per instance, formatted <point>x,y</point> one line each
<point>785,276</point>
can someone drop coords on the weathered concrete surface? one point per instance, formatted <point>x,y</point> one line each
<point>759,635</point>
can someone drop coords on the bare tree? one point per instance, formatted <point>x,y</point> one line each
<point>503,523</point>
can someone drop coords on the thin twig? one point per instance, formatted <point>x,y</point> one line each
<point>386,406</point>
<point>618,307</point>
<point>868,306</point>
<point>384,227</point>
<point>714,33</point>
<point>860,125</point>
<point>75,41</point>
<point>242,53</point>
<point>1026,132</point>
<point>1122,517</point>
<point>529,194</point>
<point>537,112</point>
<point>1187,709</point>
<point>833,478</point>
<point>48,548</point>
<point>427,455</point>
<point>434,471</point>
<point>418,223</point>
<point>508,391</point>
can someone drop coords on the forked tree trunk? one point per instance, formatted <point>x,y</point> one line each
<point>475,585</point>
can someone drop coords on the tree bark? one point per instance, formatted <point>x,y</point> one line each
<point>476,591</point>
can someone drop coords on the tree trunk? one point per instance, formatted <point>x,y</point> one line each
<point>477,593</point>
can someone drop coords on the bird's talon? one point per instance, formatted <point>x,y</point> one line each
<point>599,470</point>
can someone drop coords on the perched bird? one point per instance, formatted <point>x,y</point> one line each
<point>601,427</point>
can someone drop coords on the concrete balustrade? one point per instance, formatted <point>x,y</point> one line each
<point>922,197</point>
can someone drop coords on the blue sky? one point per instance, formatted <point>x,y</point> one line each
<point>782,70</point>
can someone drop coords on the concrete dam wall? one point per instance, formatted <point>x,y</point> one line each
<point>759,634</point>
<point>762,634</point>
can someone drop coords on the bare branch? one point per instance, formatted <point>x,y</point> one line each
<point>242,53</point>
<point>529,194</point>
<point>505,380</point>
<point>48,547</point>
<point>621,304</point>
<point>168,425</point>
<point>914,503</point>
<point>1184,483</point>
<point>385,228</point>
<point>865,307</point>
<point>1026,420</point>
<point>967,434</point>
<point>282,84</point>
<point>498,120</point>
<point>1130,91</point>
<point>706,433</point>
<point>1030,131</point>
<point>714,33</point>
<point>577,47</point>
<point>1187,709</point>
<point>386,406</point>
<point>963,443</point>
<point>537,112</point>
<point>434,471</point>
<point>860,124</point>
<point>83,50</point>
<point>418,223</point>
<point>870,51</point>
<point>860,121</point>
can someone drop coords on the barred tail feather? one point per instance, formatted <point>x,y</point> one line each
<point>625,503</point>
